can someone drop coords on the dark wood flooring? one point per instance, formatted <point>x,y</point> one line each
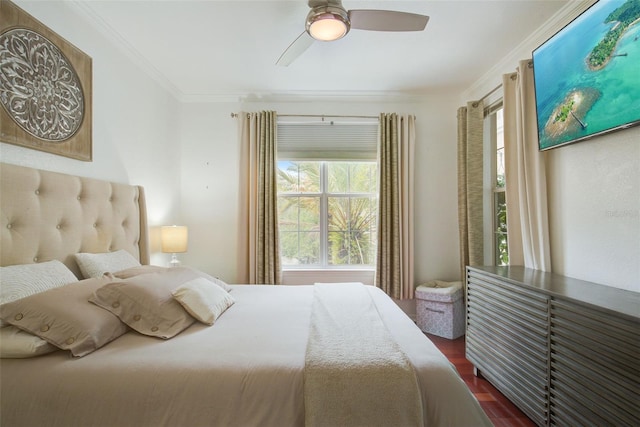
<point>500,411</point>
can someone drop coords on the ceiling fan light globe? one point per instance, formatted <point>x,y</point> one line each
<point>327,29</point>
<point>327,23</point>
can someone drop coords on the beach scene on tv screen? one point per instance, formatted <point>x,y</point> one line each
<point>587,77</point>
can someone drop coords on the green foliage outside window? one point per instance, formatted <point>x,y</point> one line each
<point>346,192</point>
<point>502,247</point>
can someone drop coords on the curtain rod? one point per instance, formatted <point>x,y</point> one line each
<point>322,116</point>
<point>488,94</point>
<point>475,104</point>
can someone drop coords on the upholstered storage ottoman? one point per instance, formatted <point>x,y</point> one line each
<point>440,308</point>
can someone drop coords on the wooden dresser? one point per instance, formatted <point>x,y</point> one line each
<point>565,351</point>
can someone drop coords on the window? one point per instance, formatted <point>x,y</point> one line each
<point>499,201</point>
<point>495,206</point>
<point>328,194</point>
<point>327,213</point>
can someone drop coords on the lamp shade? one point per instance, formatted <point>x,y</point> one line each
<point>174,238</point>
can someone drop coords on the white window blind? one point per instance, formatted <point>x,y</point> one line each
<point>328,140</point>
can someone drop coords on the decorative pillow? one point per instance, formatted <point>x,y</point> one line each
<point>63,317</point>
<point>145,303</point>
<point>18,344</point>
<point>203,299</point>
<point>138,270</point>
<point>95,265</point>
<point>218,282</point>
<point>143,269</point>
<point>19,281</point>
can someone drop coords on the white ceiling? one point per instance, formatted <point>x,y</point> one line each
<point>211,48</point>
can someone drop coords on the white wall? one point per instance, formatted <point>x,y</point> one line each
<point>594,209</point>
<point>135,137</point>
<point>210,163</point>
<point>593,187</point>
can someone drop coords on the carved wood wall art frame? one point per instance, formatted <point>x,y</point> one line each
<point>45,88</point>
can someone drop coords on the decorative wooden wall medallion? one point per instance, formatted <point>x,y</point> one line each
<point>45,87</point>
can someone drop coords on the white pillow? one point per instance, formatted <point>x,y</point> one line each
<point>203,299</point>
<point>95,265</point>
<point>19,281</point>
<point>221,283</point>
<point>17,344</point>
<point>215,280</point>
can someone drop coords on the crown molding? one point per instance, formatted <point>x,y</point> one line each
<point>306,96</point>
<point>493,77</point>
<point>120,42</point>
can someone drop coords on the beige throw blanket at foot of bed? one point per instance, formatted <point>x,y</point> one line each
<point>355,373</point>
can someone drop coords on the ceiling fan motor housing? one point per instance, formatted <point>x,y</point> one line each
<point>328,23</point>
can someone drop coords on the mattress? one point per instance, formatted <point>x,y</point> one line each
<point>245,370</point>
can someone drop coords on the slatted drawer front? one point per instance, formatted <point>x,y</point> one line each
<point>507,339</point>
<point>595,367</point>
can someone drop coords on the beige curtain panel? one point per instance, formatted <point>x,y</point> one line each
<point>394,270</point>
<point>526,184</point>
<point>259,258</point>
<point>470,184</point>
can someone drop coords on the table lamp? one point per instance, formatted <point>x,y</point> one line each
<point>174,240</point>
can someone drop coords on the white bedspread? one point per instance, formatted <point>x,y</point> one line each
<point>246,370</point>
<point>355,372</point>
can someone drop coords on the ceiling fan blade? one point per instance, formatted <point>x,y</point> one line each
<point>386,20</point>
<point>295,49</point>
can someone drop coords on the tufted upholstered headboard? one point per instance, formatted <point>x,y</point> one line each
<point>48,215</point>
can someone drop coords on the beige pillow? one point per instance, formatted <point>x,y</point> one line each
<point>138,270</point>
<point>17,344</point>
<point>19,281</point>
<point>63,317</point>
<point>143,269</point>
<point>203,299</point>
<point>96,265</point>
<point>145,303</point>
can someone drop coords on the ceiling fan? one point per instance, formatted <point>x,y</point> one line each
<point>328,20</point>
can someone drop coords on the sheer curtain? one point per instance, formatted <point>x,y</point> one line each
<point>526,185</point>
<point>259,258</point>
<point>470,184</point>
<point>394,270</point>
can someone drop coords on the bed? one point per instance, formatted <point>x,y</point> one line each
<point>329,354</point>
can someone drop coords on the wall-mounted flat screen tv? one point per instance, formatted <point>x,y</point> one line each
<point>587,76</point>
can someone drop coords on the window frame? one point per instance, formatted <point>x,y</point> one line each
<point>323,197</point>
<point>492,191</point>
